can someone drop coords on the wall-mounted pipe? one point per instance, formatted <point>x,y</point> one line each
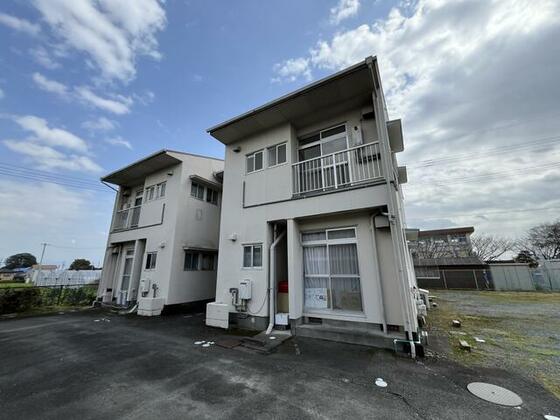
<point>272,282</point>
<point>379,283</point>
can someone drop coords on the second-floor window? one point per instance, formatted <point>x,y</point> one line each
<point>151,258</point>
<point>255,161</point>
<point>277,154</point>
<point>199,261</point>
<point>198,190</point>
<point>324,142</point>
<point>211,196</point>
<point>154,192</point>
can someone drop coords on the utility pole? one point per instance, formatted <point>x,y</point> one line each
<point>44,244</point>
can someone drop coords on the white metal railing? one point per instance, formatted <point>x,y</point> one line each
<point>338,170</point>
<point>127,218</point>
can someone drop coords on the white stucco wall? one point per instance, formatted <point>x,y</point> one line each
<point>268,196</point>
<point>179,227</point>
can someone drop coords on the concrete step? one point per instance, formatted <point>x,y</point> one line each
<point>346,335</point>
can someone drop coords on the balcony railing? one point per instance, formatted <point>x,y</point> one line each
<point>338,170</point>
<point>127,218</point>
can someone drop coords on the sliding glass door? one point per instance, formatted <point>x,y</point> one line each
<point>331,273</point>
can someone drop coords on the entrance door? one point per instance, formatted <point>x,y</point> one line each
<point>331,273</point>
<point>126,273</point>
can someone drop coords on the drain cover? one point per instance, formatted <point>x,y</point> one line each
<point>494,394</point>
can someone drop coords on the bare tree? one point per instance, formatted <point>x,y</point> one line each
<point>428,249</point>
<point>542,241</point>
<point>490,247</point>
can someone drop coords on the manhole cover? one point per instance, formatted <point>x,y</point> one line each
<point>494,394</point>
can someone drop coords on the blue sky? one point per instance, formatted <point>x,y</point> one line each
<point>89,86</point>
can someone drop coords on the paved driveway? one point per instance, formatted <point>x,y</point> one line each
<point>72,366</point>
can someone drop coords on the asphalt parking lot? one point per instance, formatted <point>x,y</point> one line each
<point>93,364</point>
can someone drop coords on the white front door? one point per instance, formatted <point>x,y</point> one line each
<point>125,277</point>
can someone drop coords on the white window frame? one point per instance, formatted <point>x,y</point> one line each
<point>213,192</point>
<point>198,187</point>
<point>252,156</point>
<point>197,261</point>
<point>253,246</point>
<point>326,242</point>
<point>155,191</point>
<point>151,257</point>
<point>322,140</point>
<point>275,148</point>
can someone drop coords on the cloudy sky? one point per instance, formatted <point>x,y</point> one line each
<point>87,86</point>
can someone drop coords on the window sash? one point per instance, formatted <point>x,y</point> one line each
<point>211,196</point>
<point>191,261</point>
<point>255,161</point>
<point>252,256</point>
<point>151,258</point>
<point>277,154</point>
<point>331,270</point>
<point>326,140</point>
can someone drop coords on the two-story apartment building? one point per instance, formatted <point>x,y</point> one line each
<point>444,258</point>
<point>312,223</point>
<point>163,242</point>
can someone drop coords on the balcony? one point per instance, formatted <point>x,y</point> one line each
<point>127,218</point>
<point>339,170</point>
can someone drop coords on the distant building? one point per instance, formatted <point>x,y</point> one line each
<point>443,258</point>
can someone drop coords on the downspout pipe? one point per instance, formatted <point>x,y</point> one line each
<point>380,282</point>
<point>272,283</point>
<point>394,221</point>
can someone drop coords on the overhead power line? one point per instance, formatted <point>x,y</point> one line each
<point>487,213</point>
<point>48,177</point>
<point>91,181</point>
<point>485,152</point>
<point>487,176</point>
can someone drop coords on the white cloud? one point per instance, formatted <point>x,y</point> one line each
<point>344,10</point>
<point>18,24</point>
<point>119,141</point>
<point>51,86</point>
<point>465,76</point>
<point>34,212</point>
<point>112,33</point>
<point>118,105</point>
<point>46,157</point>
<point>291,69</point>
<point>41,56</point>
<point>100,124</point>
<point>51,136</point>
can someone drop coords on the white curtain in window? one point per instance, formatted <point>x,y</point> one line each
<point>315,260</point>
<point>343,259</point>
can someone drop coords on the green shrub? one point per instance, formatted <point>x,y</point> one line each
<point>23,299</point>
<point>19,300</point>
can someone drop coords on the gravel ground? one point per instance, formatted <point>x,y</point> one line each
<point>521,331</point>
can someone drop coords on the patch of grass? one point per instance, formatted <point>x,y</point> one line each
<point>513,343</point>
<point>14,285</point>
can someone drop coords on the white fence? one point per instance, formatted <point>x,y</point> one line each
<point>512,277</point>
<point>547,277</point>
<point>65,277</point>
